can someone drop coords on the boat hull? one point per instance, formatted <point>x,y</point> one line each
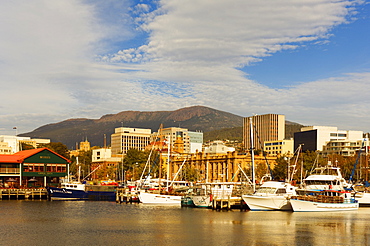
<point>310,206</point>
<point>55,193</point>
<point>202,201</point>
<point>267,203</point>
<point>187,201</point>
<point>152,198</point>
<point>363,199</point>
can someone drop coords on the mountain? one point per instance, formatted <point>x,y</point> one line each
<point>196,118</point>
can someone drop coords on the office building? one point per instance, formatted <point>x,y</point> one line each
<point>125,138</point>
<point>279,147</point>
<point>316,137</point>
<point>268,127</point>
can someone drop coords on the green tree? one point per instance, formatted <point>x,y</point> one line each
<point>190,174</point>
<point>25,146</point>
<point>280,171</point>
<point>84,159</point>
<point>58,147</point>
<point>134,163</point>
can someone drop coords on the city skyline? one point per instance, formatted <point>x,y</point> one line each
<point>308,60</point>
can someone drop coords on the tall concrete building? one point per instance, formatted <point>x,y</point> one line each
<point>267,127</point>
<point>125,138</point>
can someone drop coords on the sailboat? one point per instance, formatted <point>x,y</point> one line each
<point>271,195</point>
<point>157,197</point>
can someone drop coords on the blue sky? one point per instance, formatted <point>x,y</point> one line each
<point>307,59</point>
<point>346,51</point>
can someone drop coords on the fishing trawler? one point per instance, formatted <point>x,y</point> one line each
<point>83,191</point>
<point>323,201</point>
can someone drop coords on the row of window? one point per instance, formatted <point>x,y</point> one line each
<point>274,143</point>
<point>274,148</point>
<point>56,168</point>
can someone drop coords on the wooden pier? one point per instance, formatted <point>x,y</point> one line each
<point>125,196</point>
<point>23,194</point>
<point>226,203</point>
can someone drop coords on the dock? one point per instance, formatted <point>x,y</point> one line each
<point>126,196</point>
<point>226,203</point>
<point>23,194</point>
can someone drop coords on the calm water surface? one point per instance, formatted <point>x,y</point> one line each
<point>108,223</point>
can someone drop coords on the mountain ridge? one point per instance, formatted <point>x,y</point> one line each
<point>214,123</point>
<point>194,118</point>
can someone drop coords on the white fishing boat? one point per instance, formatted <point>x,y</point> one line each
<point>204,194</point>
<point>325,178</point>
<point>323,201</point>
<point>159,199</point>
<point>271,195</point>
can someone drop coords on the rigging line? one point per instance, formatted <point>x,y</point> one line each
<point>263,152</point>
<point>147,162</point>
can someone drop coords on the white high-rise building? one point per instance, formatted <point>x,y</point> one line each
<point>316,137</point>
<point>125,138</point>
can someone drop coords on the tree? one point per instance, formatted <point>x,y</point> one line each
<point>58,147</point>
<point>25,146</point>
<point>134,162</point>
<point>84,160</point>
<point>280,168</point>
<point>191,174</point>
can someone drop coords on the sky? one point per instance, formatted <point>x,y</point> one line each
<point>308,60</point>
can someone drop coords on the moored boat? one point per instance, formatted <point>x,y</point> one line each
<point>187,201</point>
<point>363,198</point>
<point>325,178</point>
<point>271,195</point>
<point>82,191</point>
<point>323,201</point>
<point>159,199</point>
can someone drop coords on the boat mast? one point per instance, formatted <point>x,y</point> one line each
<point>252,154</point>
<point>79,170</point>
<point>160,157</point>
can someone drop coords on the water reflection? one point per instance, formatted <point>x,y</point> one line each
<point>106,223</point>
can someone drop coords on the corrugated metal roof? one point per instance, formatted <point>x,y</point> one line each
<point>20,156</point>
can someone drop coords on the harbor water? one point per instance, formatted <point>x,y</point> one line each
<point>109,223</point>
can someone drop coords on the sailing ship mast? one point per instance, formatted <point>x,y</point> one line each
<point>252,154</point>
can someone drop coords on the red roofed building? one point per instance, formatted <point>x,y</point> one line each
<point>32,168</point>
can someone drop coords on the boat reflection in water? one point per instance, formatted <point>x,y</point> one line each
<point>110,223</point>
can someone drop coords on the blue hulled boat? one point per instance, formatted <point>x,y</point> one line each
<point>82,191</point>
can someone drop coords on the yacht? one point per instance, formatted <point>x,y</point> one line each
<point>271,195</point>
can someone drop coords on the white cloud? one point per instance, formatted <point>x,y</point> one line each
<point>65,59</point>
